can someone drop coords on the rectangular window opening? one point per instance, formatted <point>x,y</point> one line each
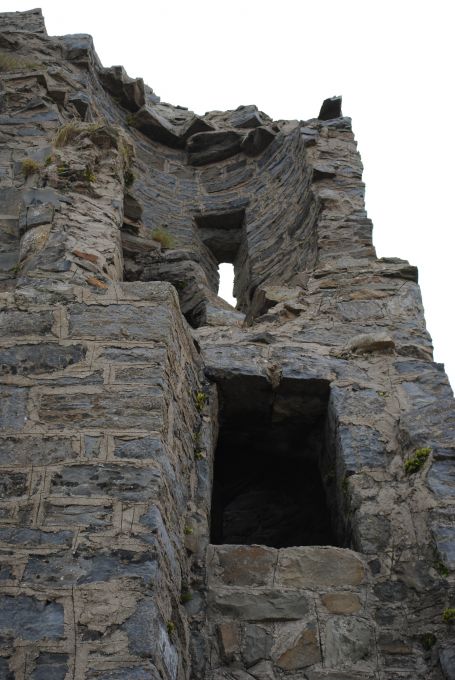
<point>272,444</point>
<point>221,233</point>
<point>226,285</point>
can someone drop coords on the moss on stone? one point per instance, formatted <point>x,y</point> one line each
<point>417,461</point>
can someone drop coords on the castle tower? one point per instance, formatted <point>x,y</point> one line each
<point>188,490</point>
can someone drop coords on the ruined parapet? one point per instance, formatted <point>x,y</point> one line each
<point>189,490</point>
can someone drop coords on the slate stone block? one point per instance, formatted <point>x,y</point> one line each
<point>5,672</point>
<point>92,446</point>
<point>35,450</point>
<point>152,375</point>
<point>372,532</point>
<point>120,322</point>
<point>134,355</point>
<point>432,425</point>
<point>153,520</point>
<point>67,569</point>
<point>391,591</point>
<point>139,408</point>
<point>13,484</point>
<point>35,537</point>
<point>208,147</point>
<point>77,515</point>
<point>447,661</point>
<point>144,448</point>
<point>361,447</point>
<point>39,214</point>
<point>13,407</point>
<point>148,672</point>
<point>39,358</point>
<point>148,636</point>
<point>121,481</point>
<point>18,324</point>
<point>50,666</point>
<point>28,618</point>
<point>441,478</point>
<point>443,529</point>
<point>6,574</point>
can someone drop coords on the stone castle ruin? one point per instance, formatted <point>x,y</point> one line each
<point>192,491</point>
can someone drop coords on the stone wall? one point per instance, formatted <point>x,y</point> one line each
<point>122,368</point>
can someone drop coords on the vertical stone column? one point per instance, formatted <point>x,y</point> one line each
<point>97,469</point>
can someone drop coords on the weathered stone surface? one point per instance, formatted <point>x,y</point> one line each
<point>90,567</point>
<point>209,147</point>
<point>39,358</point>
<point>243,565</point>
<point>331,108</point>
<point>77,514</point>
<point>447,661</point>
<point>13,411</point>
<point>130,91</point>
<point>5,671</point>
<point>314,567</point>
<point>341,603</point>
<point>229,638</point>
<point>13,484</point>
<point>300,645</point>
<point>148,637</point>
<point>361,446</point>
<point>257,141</point>
<point>259,605</point>
<point>148,672</point>
<point>16,323</point>
<point>257,644</point>
<point>30,618</point>
<point>128,434</point>
<point>347,641</point>
<point>35,537</point>
<point>128,323</point>
<point>163,124</point>
<point>50,666</point>
<point>140,408</point>
<point>123,481</point>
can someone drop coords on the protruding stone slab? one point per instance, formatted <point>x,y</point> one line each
<point>208,147</point>
<point>318,567</point>
<point>162,124</point>
<point>330,109</point>
<point>257,141</point>
<point>129,91</point>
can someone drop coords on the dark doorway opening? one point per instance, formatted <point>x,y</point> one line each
<point>268,488</point>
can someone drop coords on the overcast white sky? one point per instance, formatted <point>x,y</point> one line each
<point>392,60</point>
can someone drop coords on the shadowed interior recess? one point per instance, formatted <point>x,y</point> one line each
<point>267,484</point>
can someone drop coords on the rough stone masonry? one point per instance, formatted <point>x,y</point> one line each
<point>191,491</point>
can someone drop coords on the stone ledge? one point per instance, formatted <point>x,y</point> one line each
<point>306,567</point>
